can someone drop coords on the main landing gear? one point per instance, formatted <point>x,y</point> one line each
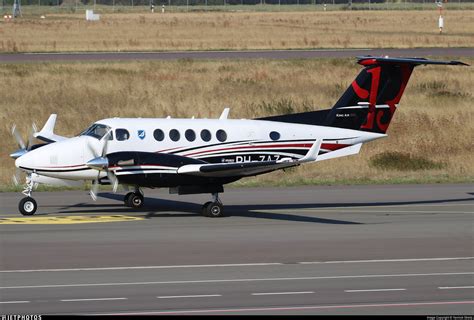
<point>213,209</point>
<point>134,199</point>
<point>28,205</point>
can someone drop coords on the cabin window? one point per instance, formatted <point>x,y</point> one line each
<point>159,135</point>
<point>274,135</point>
<point>205,135</point>
<point>221,135</point>
<point>122,134</point>
<point>190,135</point>
<point>174,135</point>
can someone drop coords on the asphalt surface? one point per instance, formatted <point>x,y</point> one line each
<point>255,54</point>
<point>404,249</point>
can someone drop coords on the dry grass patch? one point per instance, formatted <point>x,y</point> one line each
<point>237,30</point>
<point>434,121</point>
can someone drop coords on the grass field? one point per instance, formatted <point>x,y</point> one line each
<point>237,30</point>
<point>430,138</point>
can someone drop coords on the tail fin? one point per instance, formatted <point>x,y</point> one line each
<point>372,98</point>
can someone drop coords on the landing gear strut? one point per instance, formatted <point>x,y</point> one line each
<point>213,209</point>
<point>134,199</point>
<point>28,205</point>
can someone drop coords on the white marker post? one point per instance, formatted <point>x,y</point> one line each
<point>441,19</point>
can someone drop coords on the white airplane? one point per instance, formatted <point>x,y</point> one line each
<point>191,156</point>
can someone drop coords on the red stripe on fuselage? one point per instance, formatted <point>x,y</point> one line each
<point>329,146</point>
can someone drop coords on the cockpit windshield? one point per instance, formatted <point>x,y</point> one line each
<point>97,130</point>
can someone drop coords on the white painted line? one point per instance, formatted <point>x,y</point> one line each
<point>450,288</point>
<point>387,260</point>
<point>150,267</point>
<point>374,290</point>
<point>257,264</point>
<point>191,296</point>
<point>238,280</point>
<point>358,210</point>
<point>5,302</point>
<point>278,293</point>
<point>393,205</point>
<point>92,299</point>
<point>289,308</point>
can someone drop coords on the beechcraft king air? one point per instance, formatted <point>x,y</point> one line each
<point>191,156</point>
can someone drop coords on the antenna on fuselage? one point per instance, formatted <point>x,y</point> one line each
<point>224,114</point>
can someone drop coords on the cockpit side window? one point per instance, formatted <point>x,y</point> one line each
<point>97,131</point>
<point>122,134</point>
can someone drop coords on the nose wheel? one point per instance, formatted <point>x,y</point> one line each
<point>213,209</point>
<point>27,206</point>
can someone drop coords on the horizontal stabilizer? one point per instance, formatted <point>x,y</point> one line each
<point>369,60</point>
<point>47,133</point>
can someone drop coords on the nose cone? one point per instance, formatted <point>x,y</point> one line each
<point>26,161</point>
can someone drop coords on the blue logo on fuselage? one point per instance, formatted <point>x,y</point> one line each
<point>141,134</point>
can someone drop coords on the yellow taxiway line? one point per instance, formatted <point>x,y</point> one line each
<point>68,219</point>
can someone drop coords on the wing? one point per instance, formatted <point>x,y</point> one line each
<point>248,168</point>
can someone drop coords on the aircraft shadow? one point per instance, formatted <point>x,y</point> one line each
<point>175,208</point>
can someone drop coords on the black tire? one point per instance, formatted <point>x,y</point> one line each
<point>135,201</point>
<point>27,206</point>
<point>204,208</point>
<point>214,210</point>
<point>125,199</point>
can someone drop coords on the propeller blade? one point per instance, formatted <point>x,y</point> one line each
<point>113,180</point>
<point>17,137</point>
<point>17,176</point>
<point>92,149</point>
<point>105,143</point>
<point>31,137</point>
<point>94,190</point>
<point>15,180</point>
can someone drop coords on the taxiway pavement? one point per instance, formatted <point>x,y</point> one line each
<point>400,249</point>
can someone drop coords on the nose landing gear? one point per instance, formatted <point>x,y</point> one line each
<point>28,205</point>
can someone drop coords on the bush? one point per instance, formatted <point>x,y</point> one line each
<point>403,162</point>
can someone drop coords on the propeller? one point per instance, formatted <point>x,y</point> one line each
<point>101,163</point>
<point>23,148</point>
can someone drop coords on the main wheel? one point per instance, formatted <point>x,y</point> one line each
<point>204,208</point>
<point>126,198</point>
<point>27,206</point>
<point>214,210</point>
<point>135,200</point>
